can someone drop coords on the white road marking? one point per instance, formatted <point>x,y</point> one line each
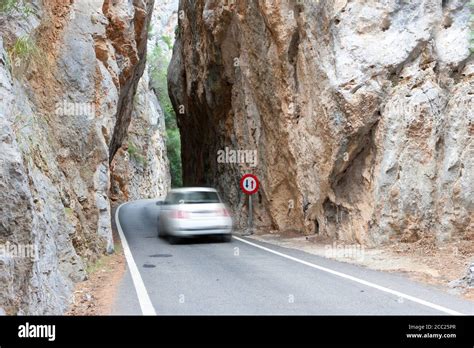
<point>143,297</point>
<point>355,279</point>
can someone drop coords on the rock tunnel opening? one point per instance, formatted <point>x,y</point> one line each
<point>256,84</point>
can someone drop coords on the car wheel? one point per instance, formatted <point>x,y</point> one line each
<point>161,232</point>
<point>173,239</point>
<point>226,238</point>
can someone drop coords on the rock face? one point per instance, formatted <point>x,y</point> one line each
<point>69,72</point>
<point>140,169</point>
<point>361,113</point>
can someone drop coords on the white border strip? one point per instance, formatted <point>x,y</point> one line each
<point>143,297</point>
<point>357,280</point>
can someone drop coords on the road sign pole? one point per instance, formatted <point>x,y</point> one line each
<point>250,217</point>
<point>249,186</point>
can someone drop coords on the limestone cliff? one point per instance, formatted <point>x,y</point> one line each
<point>69,76</point>
<point>360,112</point>
<point>140,169</point>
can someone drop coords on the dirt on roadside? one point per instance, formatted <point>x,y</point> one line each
<point>424,260</point>
<point>96,295</point>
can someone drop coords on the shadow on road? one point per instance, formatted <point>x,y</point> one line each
<point>196,240</point>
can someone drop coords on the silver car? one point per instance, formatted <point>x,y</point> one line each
<point>193,211</point>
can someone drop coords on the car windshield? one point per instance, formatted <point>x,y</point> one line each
<point>195,197</point>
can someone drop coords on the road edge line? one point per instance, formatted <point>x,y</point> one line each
<point>355,279</point>
<point>143,298</point>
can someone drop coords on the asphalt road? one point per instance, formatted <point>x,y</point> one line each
<point>207,276</point>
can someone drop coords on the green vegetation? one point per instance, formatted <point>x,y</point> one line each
<point>135,154</point>
<point>472,36</point>
<point>132,149</point>
<point>20,123</point>
<point>15,7</point>
<point>96,266</point>
<point>105,262</point>
<point>167,39</point>
<point>24,47</point>
<point>21,52</point>
<point>159,62</point>
<point>471,46</point>
<point>173,146</point>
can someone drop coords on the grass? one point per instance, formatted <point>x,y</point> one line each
<point>97,265</point>
<point>21,52</point>
<point>21,7</point>
<point>23,47</point>
<point>103,262</point>
<point>132,149</point>
<point>135,155</point>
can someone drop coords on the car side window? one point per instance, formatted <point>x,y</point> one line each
<point>175,198</point>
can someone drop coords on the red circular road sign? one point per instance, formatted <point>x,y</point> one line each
<point>249,184</point>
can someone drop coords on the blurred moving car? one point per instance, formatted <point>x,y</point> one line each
<point>193,211</point>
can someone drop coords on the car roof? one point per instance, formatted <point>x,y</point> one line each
<point>193,189</point>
